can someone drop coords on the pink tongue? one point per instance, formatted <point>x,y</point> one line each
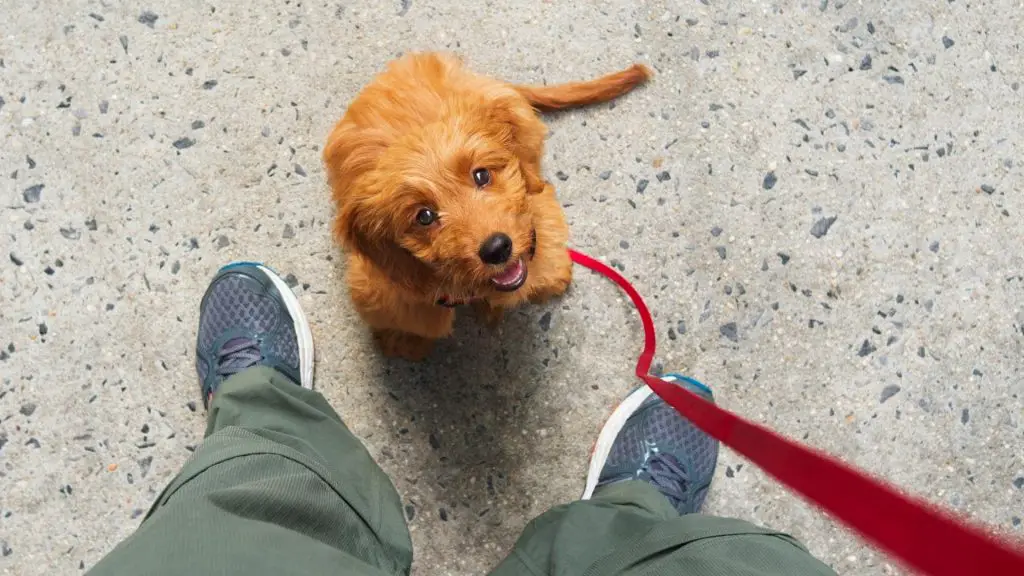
<point>510,274</point>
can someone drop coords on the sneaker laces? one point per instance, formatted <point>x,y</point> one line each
<point>664,472</point>
<point>236,355</point>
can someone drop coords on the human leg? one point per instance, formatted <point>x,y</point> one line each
<point>280,485</point>
<point>648,480</point>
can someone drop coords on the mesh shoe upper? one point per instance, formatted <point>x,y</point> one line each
<point>243,322</point>
<point>659,446</point>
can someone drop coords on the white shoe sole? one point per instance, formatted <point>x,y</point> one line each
<point>302,330</point>
<point>610,431</point>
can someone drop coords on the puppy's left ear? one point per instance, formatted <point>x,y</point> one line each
<point>516,124</point>
<point>531,175</point>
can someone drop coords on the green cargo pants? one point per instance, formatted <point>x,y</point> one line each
<point>280,486</point>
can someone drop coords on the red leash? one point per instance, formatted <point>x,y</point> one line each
<point>924,537</point>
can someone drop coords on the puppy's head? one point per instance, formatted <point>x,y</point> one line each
<point>445,209</point>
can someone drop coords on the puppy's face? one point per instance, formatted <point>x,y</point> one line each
<point>452,200</point>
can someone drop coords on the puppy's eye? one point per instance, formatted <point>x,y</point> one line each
<point>426,217</point>
<point>481,177</point>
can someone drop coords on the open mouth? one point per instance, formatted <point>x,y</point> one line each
<point>511,278</point>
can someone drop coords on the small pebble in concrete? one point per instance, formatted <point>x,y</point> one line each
<point>144,465</point>
<point>291,280</point>
<point>28,408</point>
<point>209,84</point>
<point>641,185</point>
<point>33,193</point>
<point>769,180</point>
<point>561,176</point>
<point>663,176</point>
<point>888,392</point>
<point>947,42</point>
<point>197,124</point>
<point>865,62</point>
<point>716,231</point>
<point>289,231</point>
<point>183,143</point>
<point>605,175</point>
<point>300,170</point>
<point>222,241</point>
<point>866,348</point>
<point>15,260</point>
<point>822,226</point>
<point>545,321</point>
<point>934,246</point>
<point>148,18</point>
<point>681,327</point>
<point>784,258</point>
<point>721,251</point>
<point>965,416</point>
<point>988,189</point>
<point>730,331</point>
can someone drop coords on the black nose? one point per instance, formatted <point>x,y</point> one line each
<point>496,249</point>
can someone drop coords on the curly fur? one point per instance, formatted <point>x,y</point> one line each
<point>411,140</point>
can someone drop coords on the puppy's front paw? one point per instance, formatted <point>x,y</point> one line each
<point>555,284</point>
<point>403,345</point>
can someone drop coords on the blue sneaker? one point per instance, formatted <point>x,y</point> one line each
<point>646,439</point>
<point>250,317</point>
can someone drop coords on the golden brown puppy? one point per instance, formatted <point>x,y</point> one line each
<point>436,175</point>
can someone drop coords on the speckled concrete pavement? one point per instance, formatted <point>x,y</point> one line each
<point>821,200</point>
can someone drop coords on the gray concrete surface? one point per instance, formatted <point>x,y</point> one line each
<point>145,144</point>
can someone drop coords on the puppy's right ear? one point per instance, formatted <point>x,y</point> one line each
<point>365,227</point>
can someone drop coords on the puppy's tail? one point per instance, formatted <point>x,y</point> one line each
<point>572,94</point>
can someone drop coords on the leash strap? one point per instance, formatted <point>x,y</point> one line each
<point>918,533</point>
